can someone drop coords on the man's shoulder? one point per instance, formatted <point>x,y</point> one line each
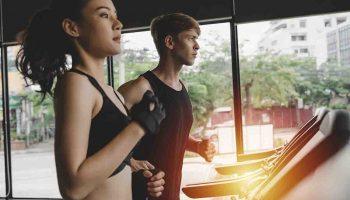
<point>133,91</point>
<point>140,84</point>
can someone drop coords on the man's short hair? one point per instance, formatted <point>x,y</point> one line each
<point>171,24</point>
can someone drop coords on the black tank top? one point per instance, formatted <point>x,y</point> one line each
<point>166,149</point>
<point>108,123</point>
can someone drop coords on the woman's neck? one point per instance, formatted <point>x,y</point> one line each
<point>92,66</point>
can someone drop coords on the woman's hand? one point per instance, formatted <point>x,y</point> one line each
<point>155,183</point>
<point>137,165</point>
<point>148,113</point>
<point>155,179</point>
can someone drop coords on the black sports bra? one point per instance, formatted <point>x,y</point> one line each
<point>108,123</point>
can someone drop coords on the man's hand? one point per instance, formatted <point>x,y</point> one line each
<point>155,183</point>
<point>206,149</point>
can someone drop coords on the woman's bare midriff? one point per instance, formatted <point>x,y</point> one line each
<point>114,188</point>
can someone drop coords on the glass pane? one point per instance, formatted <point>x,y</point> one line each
<point>2,162</point>
<point>138,55</point>
<point>209,83</point>
<point>32,133</point>
<point>288,72</point>
<point>105,66</point>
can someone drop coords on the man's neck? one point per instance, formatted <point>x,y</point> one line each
<point>169,72</point>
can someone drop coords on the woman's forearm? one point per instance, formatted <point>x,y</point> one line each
<point>97,168</point>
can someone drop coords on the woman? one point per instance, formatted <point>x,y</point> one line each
<point>94,133</point>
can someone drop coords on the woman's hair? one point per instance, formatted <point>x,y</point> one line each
<point>171,24</point>
<point>44,44</point>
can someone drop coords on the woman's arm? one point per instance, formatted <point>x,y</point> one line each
<point>78,175</point>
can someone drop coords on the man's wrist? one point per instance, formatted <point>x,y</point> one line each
<point>197,146</point>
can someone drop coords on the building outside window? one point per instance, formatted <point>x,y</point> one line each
<point>302,23</point>
<point>304,50</point>
<point>288,84</point>
<point>313,36</point>
<point>341,20</point>
<point>332,49</point>
<point>298,37</point>
<point>327,23</point>
<point>338,44</point>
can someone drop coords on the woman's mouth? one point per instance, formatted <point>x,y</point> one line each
<point>116,39</point>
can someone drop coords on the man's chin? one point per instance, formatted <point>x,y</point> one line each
<point>189,63</point>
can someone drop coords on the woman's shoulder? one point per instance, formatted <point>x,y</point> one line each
<point>71,80</point>
<point>73,85</point>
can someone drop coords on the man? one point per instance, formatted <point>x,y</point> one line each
<point>175,36</point>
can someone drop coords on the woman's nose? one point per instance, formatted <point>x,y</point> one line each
<point>117,24</point>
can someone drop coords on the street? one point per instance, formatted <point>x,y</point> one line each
<point>34,172</point>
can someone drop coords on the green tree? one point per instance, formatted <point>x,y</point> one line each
<point>135,62</point>
<point>267,80</point>
<point>210,81</point>
<point>321,86</point>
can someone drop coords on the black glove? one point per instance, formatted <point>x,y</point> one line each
<point>148,119</point>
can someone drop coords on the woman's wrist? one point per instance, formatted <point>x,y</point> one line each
<point>131,161</point>
<point>137,129</point>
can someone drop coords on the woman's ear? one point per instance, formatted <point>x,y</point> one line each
<point>169,42</point>
<point>70,27</point>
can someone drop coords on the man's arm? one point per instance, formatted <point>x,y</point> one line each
<point>204,148</point>
<point>193,144</point>
<point>133,91</point>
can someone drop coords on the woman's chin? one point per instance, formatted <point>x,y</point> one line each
<point>116,52</point>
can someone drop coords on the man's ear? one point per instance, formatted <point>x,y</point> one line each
<point>70,27</point>
<point>169,42</point>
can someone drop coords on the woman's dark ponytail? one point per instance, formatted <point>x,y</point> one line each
<point>44,44</point>
<point>42,54</point>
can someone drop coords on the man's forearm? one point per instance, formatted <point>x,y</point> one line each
<point>192,144</point>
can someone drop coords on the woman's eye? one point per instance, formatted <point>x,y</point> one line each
<point>104,15</point>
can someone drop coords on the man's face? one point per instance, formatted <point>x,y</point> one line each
<point>186,47</point>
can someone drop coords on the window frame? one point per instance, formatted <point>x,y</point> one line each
<point>237,104</point>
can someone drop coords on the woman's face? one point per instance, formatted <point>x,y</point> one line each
<point>100,29</point>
